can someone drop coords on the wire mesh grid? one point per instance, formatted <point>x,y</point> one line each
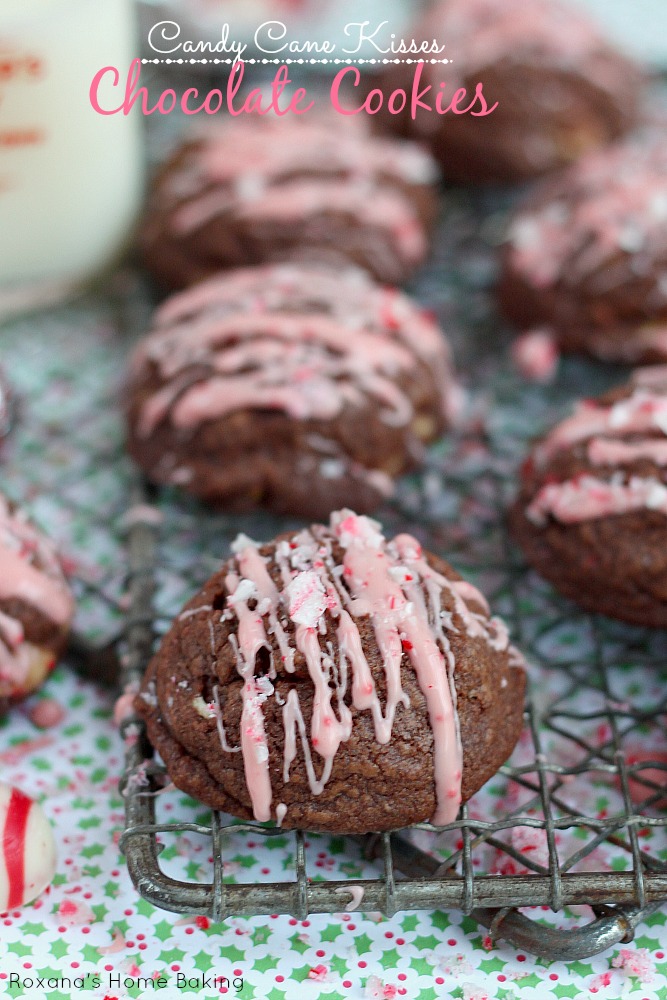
<point>578,731</point>
<point>578,816</point>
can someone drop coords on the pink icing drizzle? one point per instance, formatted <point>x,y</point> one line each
<point>251,638</point>
<point>643,411</point>
<point>375,206</point>
<point>297,339</point>
<point>611,202</point>
<point>650,376</point>
<point>632,429</point>
<point>385,581</point>
<point>367,573</point>
<point>293,721</point>
<point>272,149</point>
<point>632,343</point>
<point>29,572</point>
<point>588,498</point>
<point>290,170</point>
<point>602,451</point>
<point>253,567</point>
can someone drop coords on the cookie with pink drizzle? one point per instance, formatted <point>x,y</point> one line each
<point>591,515</point>
<point>586,255</point>
<point>335,680</point>
<point>293,387</point>
<point>271,189</point>
<point>36,606</point>
<point>561,89</point>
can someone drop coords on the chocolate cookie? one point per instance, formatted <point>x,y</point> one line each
<point>260,190</point>
<point>36,606</point>
<point>560,88</point>
<point>292,387</point>
<point>335,681</point>
<point>591,515</point>
<point>586,255</point>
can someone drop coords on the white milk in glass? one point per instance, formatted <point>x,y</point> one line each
<point>70,179</point>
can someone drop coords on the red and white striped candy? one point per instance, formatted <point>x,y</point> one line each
<point>27,853</point>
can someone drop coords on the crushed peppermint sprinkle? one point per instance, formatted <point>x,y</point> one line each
<point>588,498</point>
<point>536,355</point>
<point>391,584</point>
<point>610,200</point>
<point>612,437</point>
<point>306,598</point>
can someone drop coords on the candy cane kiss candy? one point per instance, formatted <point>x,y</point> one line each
<point>28,858</point>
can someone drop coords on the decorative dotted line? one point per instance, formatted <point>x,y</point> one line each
<point>280,62</point>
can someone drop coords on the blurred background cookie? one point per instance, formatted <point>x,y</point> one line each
<point>591,515</point>
<point>561,88</point>
<point>586,255</point>
<point>290,387</point>
<point>270,189</point>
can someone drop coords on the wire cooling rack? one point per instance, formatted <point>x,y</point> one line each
<point>578,816</point>
<point>584,723</point>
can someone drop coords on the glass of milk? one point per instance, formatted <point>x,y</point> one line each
<point>70,179</point>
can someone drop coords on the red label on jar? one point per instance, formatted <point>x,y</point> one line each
<point>15,67</point>
<point>14,138</point>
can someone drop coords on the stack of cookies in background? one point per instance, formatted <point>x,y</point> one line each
<point>301,385</point>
